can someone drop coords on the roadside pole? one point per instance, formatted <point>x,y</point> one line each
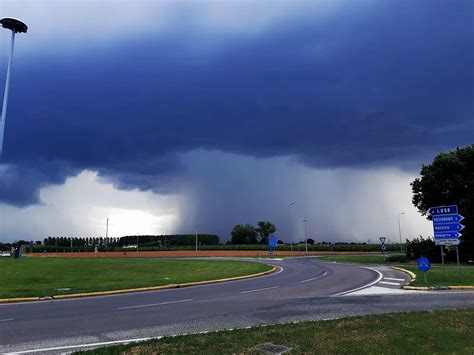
<point>196,239</point>
<point>442,257</point>
<point>459,265</point>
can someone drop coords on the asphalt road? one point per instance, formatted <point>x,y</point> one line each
<point>303,289</point>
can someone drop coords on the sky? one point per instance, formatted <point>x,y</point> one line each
<point>172,116</point>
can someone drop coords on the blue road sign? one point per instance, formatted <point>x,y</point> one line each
<point>270,252</point>
<point>447,218</point>
<point>450,227</point>
<point>423,264</point>
<point>440,210</point>
<point>383,247</point>
<point>447,235</point>
<point>272,241</point>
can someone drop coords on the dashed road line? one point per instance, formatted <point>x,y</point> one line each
<point>393,279</point>
<point>260,289</point>
<point>154,304</point>
<point>389,283</point>
<point>315,278</point>
<point>6,320</point>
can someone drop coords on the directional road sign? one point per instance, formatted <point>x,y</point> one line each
<point>423,264</point>
<point>447,218</point>
<point>383,247</point>
<point>450,227</point>
<point>447,242</point>
<point>447,235</point>
<point>440,210</point>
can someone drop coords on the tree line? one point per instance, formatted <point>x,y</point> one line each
<point>143,240</point>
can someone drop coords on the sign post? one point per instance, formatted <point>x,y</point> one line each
<point>447,227</point>
<point>424,265</point>
<point>383,247</point>
<point>272,243</point>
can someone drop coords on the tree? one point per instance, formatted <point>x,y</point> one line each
<point>264,230</point>
<point>244,234</point>
<point>310,241</point>
<point>449,180</point>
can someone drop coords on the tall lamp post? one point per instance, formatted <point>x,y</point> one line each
<point>289,224</point>
<point>400,231</point>
<point>196,239</point>
<point>305,237</point>
<point>15,26</point>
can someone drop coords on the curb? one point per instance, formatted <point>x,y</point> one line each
<point>130,290</point>
<point>438,288</point>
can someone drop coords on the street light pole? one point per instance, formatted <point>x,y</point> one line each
<point>400,231</point>
<point>16,27</point>
<point>289,225</point>
<point>196,239</point>
<point>305,237</point>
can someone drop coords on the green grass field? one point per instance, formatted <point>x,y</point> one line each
<point>449,277</point>
<point>30,277</point>
<point>402,333</point>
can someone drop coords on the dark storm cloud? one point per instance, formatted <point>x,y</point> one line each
<point>377,83</point>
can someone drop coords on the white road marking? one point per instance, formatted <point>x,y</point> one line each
<point>6,320</point>
<point>365,286</point>
<point>389,283</point>
<point>376,290</point>
<point>261,289</point>
<point>154,304</point>
<point>84,345</point>
<point>315,278</point>
<point>393,278</point>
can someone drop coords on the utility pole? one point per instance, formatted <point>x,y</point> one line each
<point>15,26</point>
<point>106,233</point>
<point>400,231</point>
<point>196,239</point>
<point>305,237</point>
<point>289,225</point>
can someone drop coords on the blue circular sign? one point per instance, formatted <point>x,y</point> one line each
<point>272,241</point>
<point>383,247</point>
<point>423,264</point>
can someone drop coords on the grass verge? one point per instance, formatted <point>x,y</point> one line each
<point>31,277</point>
<point>362,259</point>
<point>436,276</point>
<point>398,333</point>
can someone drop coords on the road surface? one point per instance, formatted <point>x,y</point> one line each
<point>302,289</point>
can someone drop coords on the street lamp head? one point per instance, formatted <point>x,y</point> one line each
<point>402,212</point>
<point>14,25</point>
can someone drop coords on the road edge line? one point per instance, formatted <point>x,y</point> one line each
<point>141,289</point>
<point>380,277</point>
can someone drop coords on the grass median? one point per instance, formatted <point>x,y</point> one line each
<point>437,276</point>
<point>397,333</point>
<point>32,277</point>
<point>361,259</point>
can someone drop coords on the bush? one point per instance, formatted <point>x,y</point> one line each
<point>396,259</point>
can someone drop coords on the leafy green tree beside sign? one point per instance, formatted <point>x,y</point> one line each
<point>449,180</point>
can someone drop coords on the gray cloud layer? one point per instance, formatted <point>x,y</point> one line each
<point>370,84</point>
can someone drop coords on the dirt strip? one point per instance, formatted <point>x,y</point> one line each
<point>189,253</point>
